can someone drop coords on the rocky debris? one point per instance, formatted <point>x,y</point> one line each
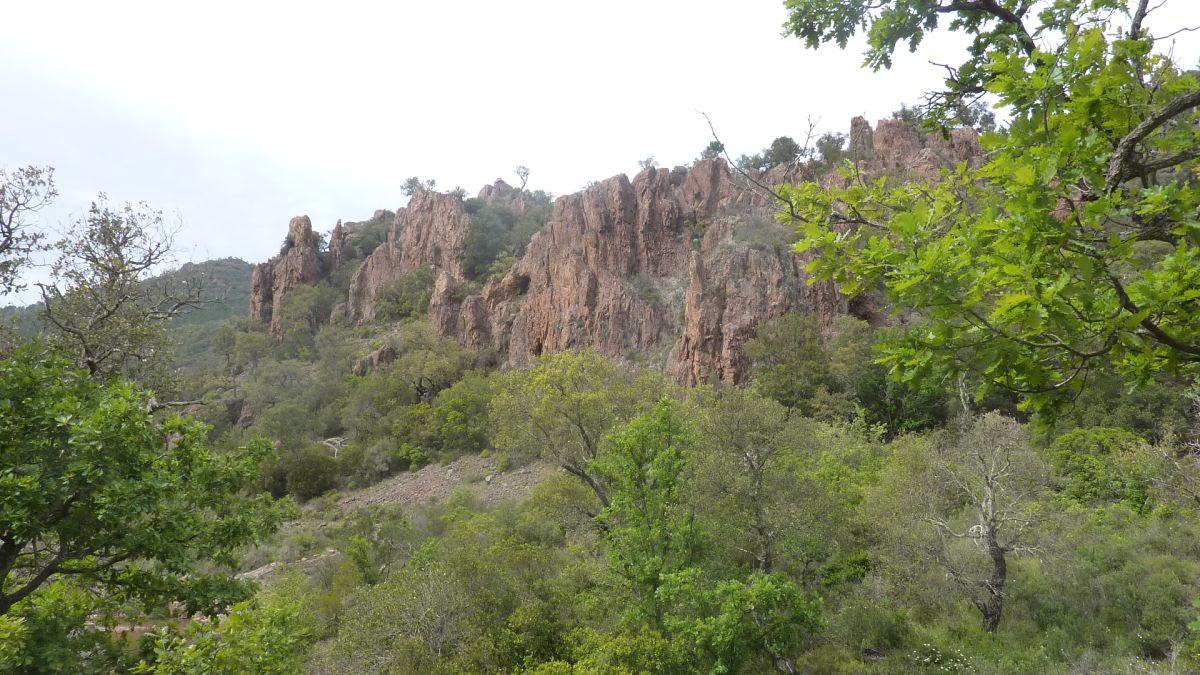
<point>431,230</point>
<point>307,563</point>
<point>436,482</point>
<point>371,362</point>
<point>299,263</point>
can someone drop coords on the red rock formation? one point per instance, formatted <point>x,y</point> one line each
<point>503,193</point>
<point>896,146</point>
<point>733,287</point>
<point>299,263</point>
<point>617,264</point>
<point>337,243</point>
<point>431,230</point>
<point>679,275</point>
<point>618,268</point>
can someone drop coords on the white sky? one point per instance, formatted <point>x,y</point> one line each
<point>234,116</point>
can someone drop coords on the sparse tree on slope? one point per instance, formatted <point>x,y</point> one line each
<point>22,192</point>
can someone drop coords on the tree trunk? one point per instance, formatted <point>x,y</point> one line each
<point>992,606</point>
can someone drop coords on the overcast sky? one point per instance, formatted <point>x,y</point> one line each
<point>232,117</point>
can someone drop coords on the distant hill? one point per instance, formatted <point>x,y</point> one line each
<point>227,279</point>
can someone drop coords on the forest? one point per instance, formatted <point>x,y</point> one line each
<point>995,471</point>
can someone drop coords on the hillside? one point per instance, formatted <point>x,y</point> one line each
<point>922,397</point>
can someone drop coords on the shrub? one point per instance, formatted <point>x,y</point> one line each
<point>407,296</point>
<point>309,471</point>
<point>1101,465</point>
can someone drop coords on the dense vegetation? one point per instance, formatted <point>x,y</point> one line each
<point>1006,479</point>
<point>498,234</point>
<point>826,518</point>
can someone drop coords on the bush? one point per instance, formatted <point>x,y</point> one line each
<point>498,234</point>
<point>367,462</point>
<point>1102,465</point>
<point>461,416</point>
<point>407,296</point>
<point>789,362</point>
<point>309,471</point>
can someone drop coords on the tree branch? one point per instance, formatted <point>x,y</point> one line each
<point>1121,166</point>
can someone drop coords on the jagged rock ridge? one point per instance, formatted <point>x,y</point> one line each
<point>678,274</point>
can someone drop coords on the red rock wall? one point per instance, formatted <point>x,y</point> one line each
<point>679,275</point>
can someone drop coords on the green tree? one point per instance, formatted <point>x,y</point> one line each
<point>969,507</point>
<point>742,625</point>
<point>898,406</point>
<point>713,150</point>
<point>266,634</point>
<point>407,296</point>
<point>98,491</point>
<point>1074,245</point>
<point>788,361</point>
<point>749,486</point>
<point>412,185</point>
<point>302,313</point>
<point>783,150</point>
<point>563,408</point>
<point>831,148</point>
<point>648,531</point>
<point>105,309</point>
<point>488,236</point>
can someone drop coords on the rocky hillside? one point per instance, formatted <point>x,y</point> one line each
<point>675,267</point>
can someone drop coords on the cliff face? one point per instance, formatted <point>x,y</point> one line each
<point>299,264</point>
<point>643,270</point>
<point>431,230</point>
<point>676,274</point>
<point>605,273</point>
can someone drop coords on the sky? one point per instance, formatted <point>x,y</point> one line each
<point>232,117</point>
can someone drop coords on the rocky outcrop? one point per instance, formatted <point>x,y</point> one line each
<point>642,270</point>
<point>678,276</point>
<point>503,193</point>
<point>605,273</point>
<point>733,287</point>
<point>672,268</point>
<point>372,362</point>
<point>344,249</point>
<point>337,243</point>
<point>299,263</point>
<point>895,146</point>
<point>431,230</point>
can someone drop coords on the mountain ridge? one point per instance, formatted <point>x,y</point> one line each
<point>673,267</point>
